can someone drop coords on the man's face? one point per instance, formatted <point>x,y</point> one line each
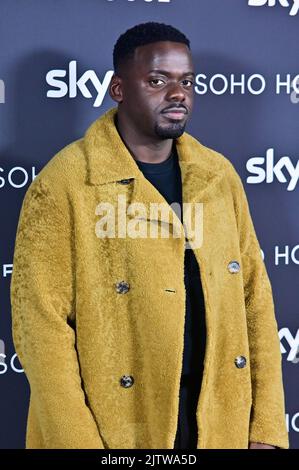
<point>157,89</point>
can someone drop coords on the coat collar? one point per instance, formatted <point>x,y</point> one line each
<point>109,161</point>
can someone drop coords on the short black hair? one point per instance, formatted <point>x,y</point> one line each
<point>142,34</point>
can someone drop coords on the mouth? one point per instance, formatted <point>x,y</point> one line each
<point>176,114</point>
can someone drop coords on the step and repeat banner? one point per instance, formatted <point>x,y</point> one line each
<point>55,68</point>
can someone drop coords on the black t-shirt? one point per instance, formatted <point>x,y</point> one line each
<point>166,177</point>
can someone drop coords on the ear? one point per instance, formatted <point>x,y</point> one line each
<point>115,89</point>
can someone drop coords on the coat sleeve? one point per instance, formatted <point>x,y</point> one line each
<point>267,421</point>
<point>42,306</point>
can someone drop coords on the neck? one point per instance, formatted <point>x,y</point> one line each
<point>142,148</point>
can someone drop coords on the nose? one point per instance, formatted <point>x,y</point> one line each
<point>175,93</point>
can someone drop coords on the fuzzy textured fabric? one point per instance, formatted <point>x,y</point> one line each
<point>76,336</point>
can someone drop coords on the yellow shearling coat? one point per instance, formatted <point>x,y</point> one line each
<point>76,335</point>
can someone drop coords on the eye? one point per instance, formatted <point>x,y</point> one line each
<point>155,82</point>
<point>187,83</point>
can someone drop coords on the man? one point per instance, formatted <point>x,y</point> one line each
<point>112,300</point>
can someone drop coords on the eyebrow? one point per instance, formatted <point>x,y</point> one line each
<point>164,72</point>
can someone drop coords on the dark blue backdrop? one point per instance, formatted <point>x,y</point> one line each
<point>229,38</point>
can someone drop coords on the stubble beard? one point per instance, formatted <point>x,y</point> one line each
<point>172,131</point>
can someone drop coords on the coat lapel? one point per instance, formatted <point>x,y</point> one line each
<point>109,161</point>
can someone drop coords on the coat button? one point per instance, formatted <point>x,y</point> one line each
<point>233,267</point>
<point>125,181</point>
<point>127,381</point>
<point>122,287</point>
<point>240,362</point>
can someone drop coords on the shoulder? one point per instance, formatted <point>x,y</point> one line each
<point>60,176</point>
<point>67,169</point>
<point>64,165</point>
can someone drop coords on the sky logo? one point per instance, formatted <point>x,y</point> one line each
<point>88,84</point>
<point>292,343</point>
<point>266,169</point>
<point>294,4</point>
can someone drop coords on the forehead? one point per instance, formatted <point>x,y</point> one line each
<point>165,55</point>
